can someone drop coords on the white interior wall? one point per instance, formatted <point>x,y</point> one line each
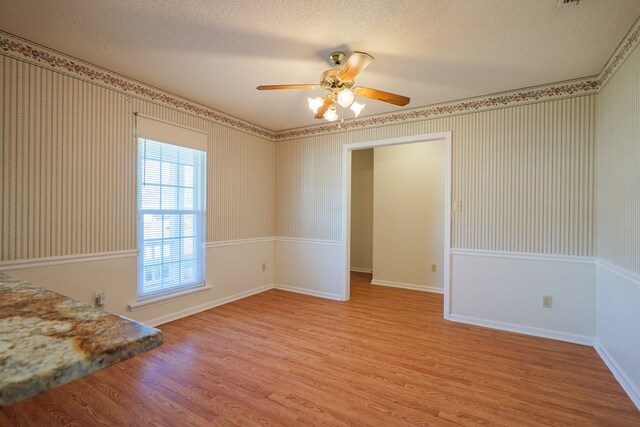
<point>618,326</point>
<point>524,175</point>
<point>232,271</point>
<point>408,219</point>
<point>618,224</point>
<point>505,291</point>
<point>68,174</point>
<point>309,267</point>
<point>362,210</point>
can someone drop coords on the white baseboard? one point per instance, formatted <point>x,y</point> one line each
<point>309,292</point>
<point>526,330</point>
<point>140,305</point>
<point>206,306</point>
<point>410,286</point>
<point>361,270</point>
<point>626,383</point>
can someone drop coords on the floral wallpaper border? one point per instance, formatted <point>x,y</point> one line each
<point>16,47</point>
<point>505,99</point>
<point>623,51</point>
<point>585,86</point>
<point>13,46</point>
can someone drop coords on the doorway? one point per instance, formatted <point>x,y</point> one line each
<point>346,214</point>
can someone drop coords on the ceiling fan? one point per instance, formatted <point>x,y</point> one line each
<point>340,83</point>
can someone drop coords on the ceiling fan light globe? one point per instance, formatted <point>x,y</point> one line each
<point>345,97</point>
<point>331,114</point>
<point>357,108</point>
<point>315,104</point>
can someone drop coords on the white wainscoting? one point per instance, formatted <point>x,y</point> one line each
<point>498,290</point>
<point>233,271</point>
<point>81,277</point>
<point>504,290</point>
<point>311,267</point>
<point>618,325</point>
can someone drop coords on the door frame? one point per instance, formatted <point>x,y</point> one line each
<point>346,205</point>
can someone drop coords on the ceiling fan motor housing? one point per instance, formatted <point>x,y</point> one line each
<point>330,80</point>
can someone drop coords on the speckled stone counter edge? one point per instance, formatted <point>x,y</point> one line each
<point>145,339</point>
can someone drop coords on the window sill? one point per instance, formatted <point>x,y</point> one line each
<point>168,298</point>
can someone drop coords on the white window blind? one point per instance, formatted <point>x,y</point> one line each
<point>171,220</point>
<point>159,130</point>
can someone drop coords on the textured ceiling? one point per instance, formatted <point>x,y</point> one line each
<point>217,52</point>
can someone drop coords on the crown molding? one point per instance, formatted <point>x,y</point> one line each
<point>25,50</point>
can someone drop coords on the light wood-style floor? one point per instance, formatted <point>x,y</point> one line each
<point>385,358</point>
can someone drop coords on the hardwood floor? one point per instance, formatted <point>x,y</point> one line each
<point>385,358</point>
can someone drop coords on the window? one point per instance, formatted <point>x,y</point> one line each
<point>171,217</point>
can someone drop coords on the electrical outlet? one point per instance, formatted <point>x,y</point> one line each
<point>547,301</point>
<point>434,268</point>
<point>264,266</point>
<point>100,299</point>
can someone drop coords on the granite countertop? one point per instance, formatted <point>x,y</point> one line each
<point>47,339</point>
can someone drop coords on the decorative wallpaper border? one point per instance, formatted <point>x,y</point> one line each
<point>481,103</point>
<point>17,47</point>
<point>622,52</point>
<point>559,90</point>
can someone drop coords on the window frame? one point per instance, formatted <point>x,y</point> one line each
<point>199,226</point>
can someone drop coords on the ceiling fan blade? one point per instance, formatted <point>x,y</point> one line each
<point>296,86</point>
<point>357,62</point>
<point>323,109</point>
<point>379,95</point>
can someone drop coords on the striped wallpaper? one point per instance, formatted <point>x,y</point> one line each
<point>308,187</point>
<point>68,168</point>
<point>241,186</point>
<point>618,172</point>
<point>524,175</point>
